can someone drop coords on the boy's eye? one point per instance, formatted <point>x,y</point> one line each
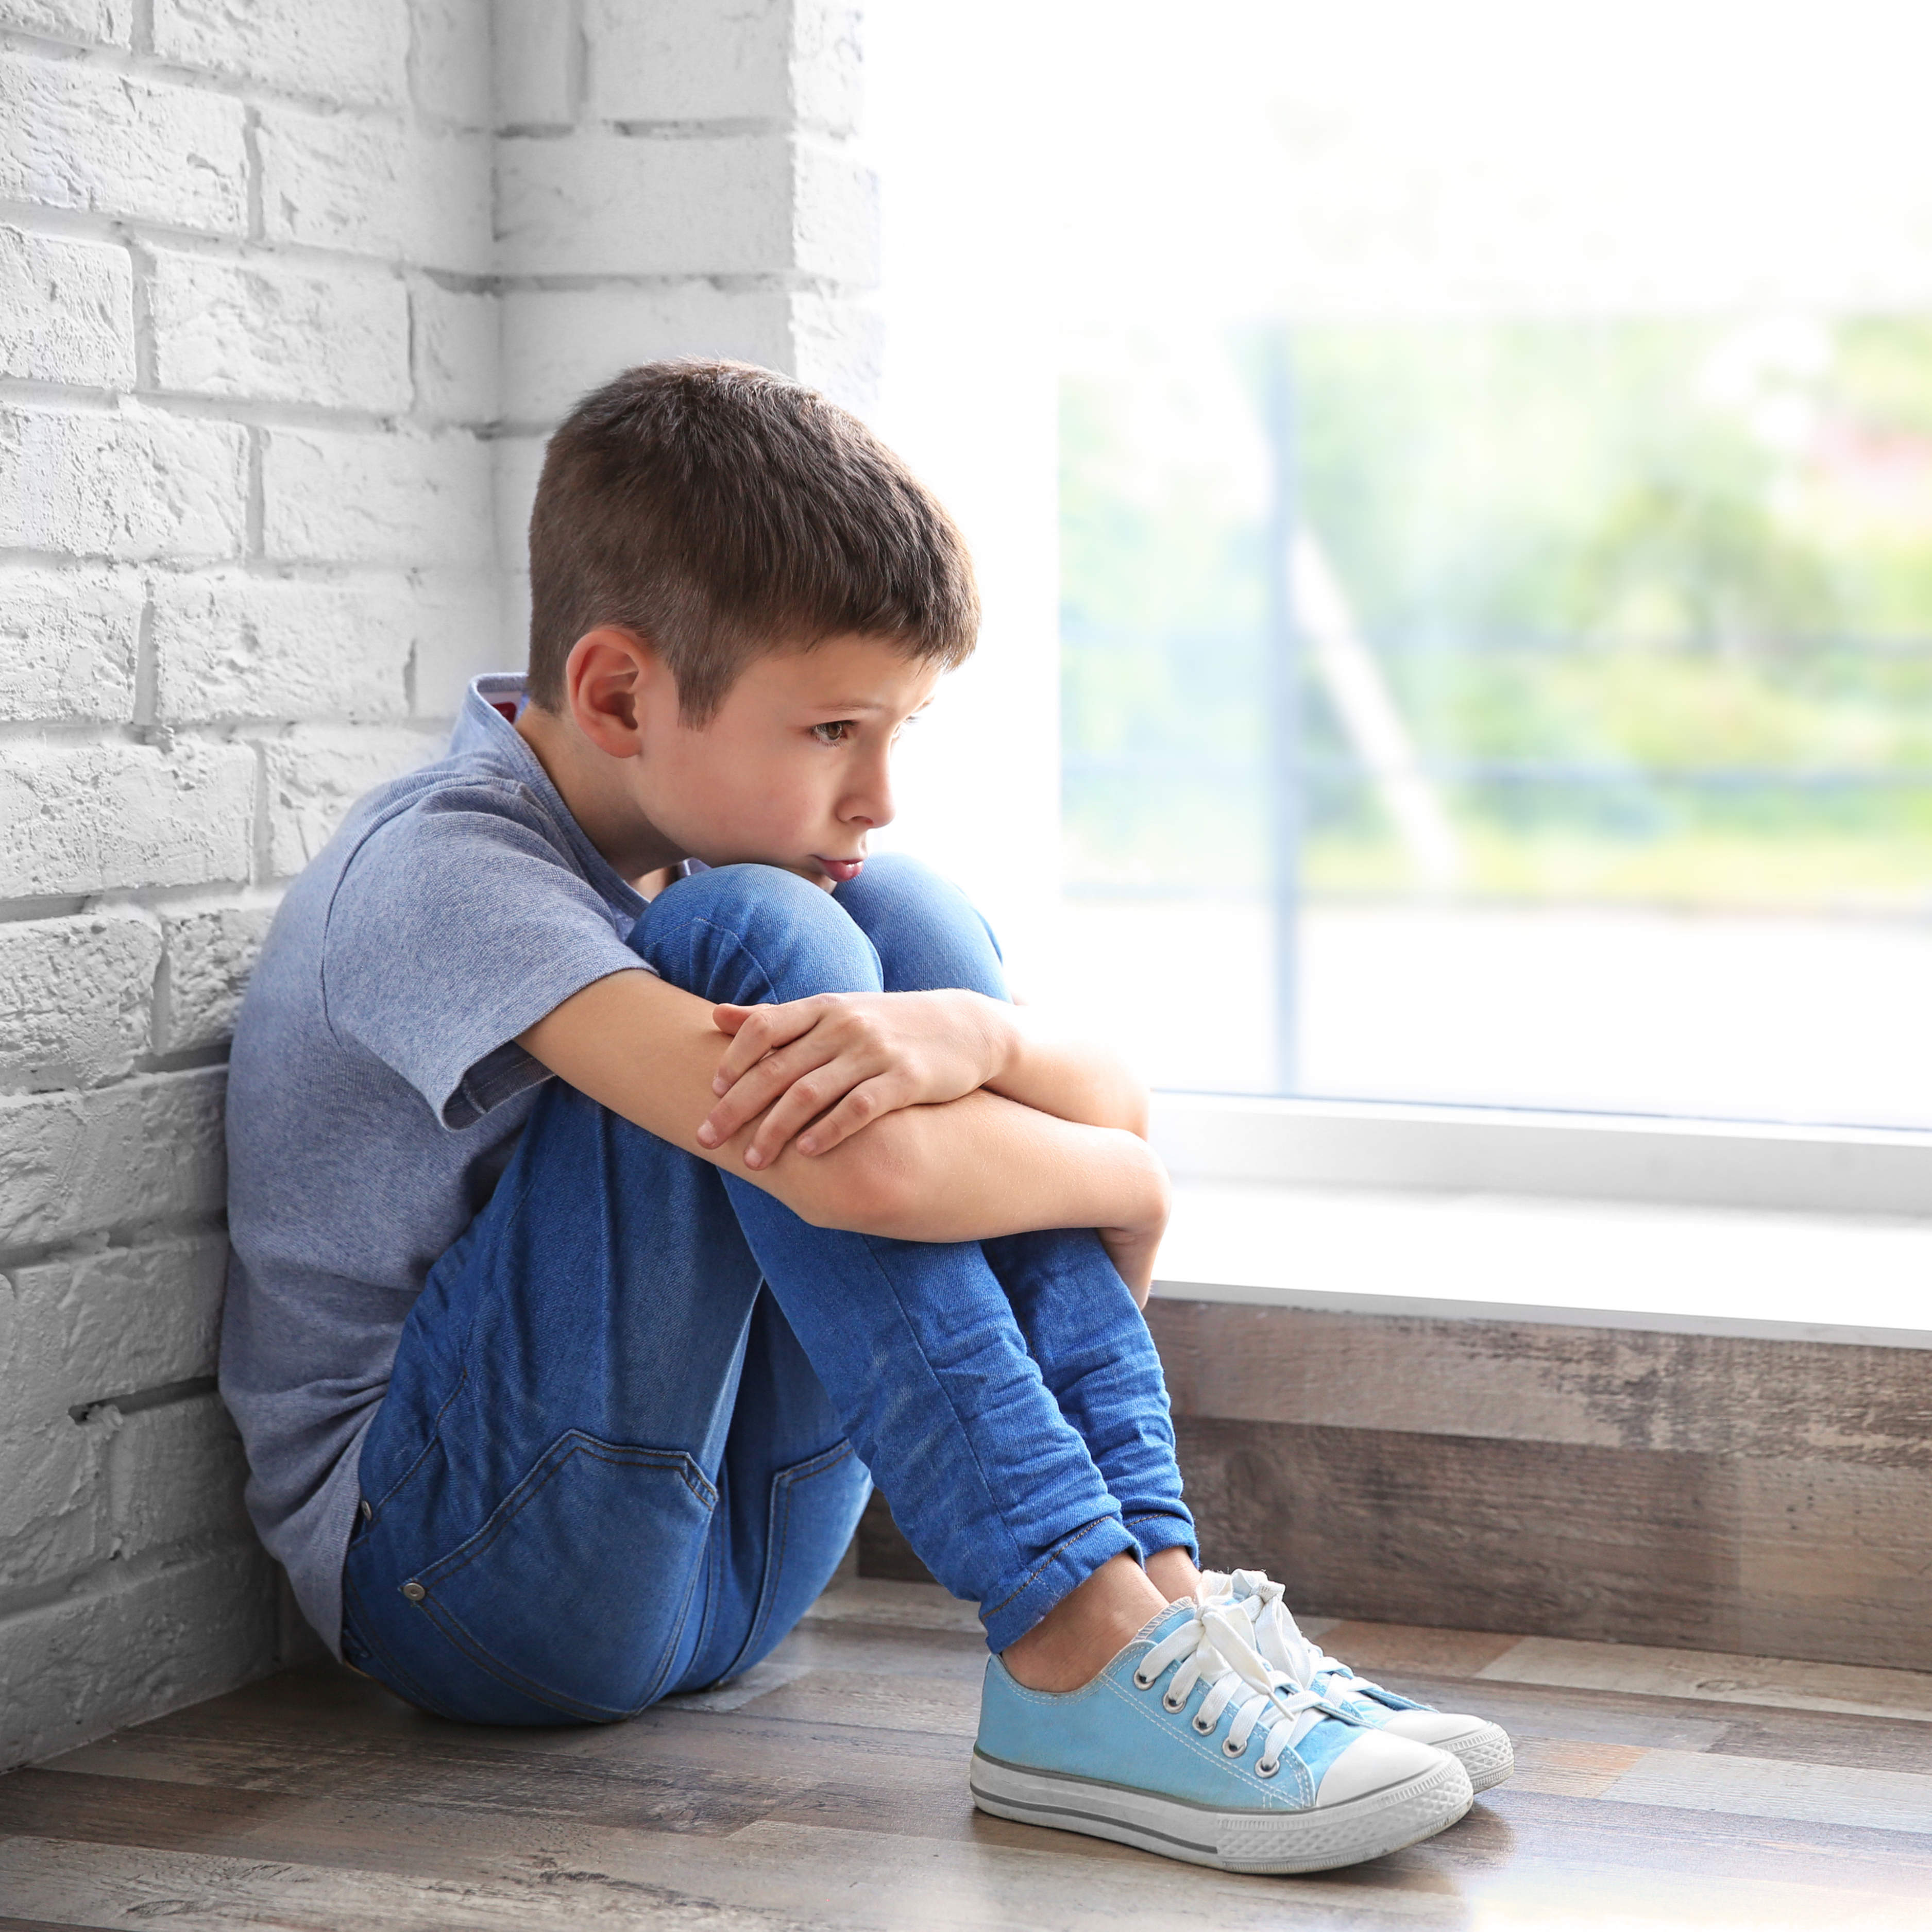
<point>835,733</point>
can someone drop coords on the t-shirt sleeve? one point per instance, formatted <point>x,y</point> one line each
<point>457,925</point>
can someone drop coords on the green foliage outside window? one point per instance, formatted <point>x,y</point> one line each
<point>1653,600</point>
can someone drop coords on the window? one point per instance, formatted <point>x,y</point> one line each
<point>1496,551</point>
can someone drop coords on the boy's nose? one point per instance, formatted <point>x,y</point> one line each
<point>870,805</point>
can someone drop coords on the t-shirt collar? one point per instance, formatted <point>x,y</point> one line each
<point>482,727</point>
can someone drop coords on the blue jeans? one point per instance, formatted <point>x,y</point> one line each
<point>638,1405</point>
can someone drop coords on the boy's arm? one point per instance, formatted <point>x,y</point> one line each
<point>969,1169</point>
<point>837,1062</point>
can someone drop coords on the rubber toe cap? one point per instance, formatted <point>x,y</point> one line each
<point>1439,1728</point>
<point>1375,1761</point>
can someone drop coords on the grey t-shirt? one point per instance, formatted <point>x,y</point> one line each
<point>376,1092</point>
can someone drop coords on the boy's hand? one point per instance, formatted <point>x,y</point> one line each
<point>828,1066</point>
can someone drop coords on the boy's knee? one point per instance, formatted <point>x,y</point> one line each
<point>748,934</point>
<point>928,932</point>
<point>897,881</point>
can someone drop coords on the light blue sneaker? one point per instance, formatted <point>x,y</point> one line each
<point>1483,1749</point>
<point>1189,1744</point>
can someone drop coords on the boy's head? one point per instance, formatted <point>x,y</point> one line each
<point>739,597</point>
<point>721,512</point>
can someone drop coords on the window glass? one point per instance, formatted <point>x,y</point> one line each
<point>1496,552</point>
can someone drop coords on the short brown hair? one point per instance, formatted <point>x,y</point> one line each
<point>721,511</point>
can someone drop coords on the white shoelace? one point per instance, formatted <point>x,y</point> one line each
<point>1258,1598</point>
<point>1215,1647</point>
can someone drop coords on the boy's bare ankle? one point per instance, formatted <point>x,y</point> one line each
<point>1086,1630</point>
<point>1172,1572</point>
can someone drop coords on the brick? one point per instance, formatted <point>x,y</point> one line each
<point>68,641</point>
<point>86,1329</point>
<point>132,483</point>
<point>107,23</point>
<point>535,58</point>
<point>83,138</point>
<point>756,60</point>
<point>837,346</point>
<point>729,205</point>
<point>72,1163</point>
<point>519,464</point>
<point>315,773</point>
<point>350,497</point>
<point>374,187</point>
<point>458,635</point>
<point>337,337</point>
<point>175,1471</point>
<point>450,60</point>
<point>77,997</point>
<point>688,63</point>
<point>210,953</point>
<point>233,647</point>
<point>827,59</point>
<point>53,1515</point>
<point>835,214</point>
<point>66,311</point>
<point>345,50</point>
<point>560,343</point>
<point>133,1642</point>
<point>610,204</point>
<point>91,818</point>
<point>513,627</point>
<point>456,337</point>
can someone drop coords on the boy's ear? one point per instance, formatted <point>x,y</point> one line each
<point>612,681</point>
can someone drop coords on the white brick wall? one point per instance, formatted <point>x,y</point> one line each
<point>290,293</point>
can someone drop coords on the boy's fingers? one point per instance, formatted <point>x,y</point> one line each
<point>764,1031</point>
<point>751,1092</point>
<point>798,1107</point>
<point>864,1105</point>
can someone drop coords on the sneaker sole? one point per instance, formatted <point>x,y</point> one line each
<point>1486,1755</point>
<point>1368,1827</point>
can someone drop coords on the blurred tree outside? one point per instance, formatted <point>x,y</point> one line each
<point>1654,600</point>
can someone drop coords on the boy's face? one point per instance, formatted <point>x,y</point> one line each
<point>792,768</point>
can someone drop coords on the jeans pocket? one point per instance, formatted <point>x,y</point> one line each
<point>814,1509</point>
<point>576,1590</point>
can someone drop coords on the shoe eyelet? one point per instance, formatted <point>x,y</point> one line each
<point>1233,1749</point>
<point>1174,1704</point>
<point>1264,1769</point>
<point>1142,1683</point>
<point>1205,1729</point>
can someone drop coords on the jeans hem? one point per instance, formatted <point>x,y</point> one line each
<point>1160,1531</point>
<point>1065,1566</point>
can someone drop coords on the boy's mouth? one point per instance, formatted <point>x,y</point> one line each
<point>839,871</point>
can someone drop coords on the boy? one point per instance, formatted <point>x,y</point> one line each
<point>563,1393</point>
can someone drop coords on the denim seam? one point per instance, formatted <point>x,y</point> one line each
<point>460,1638</point>
<point>486,1537</point>
<point>1046,1562</point>
<point>1185,1518</point>
<point>946,1395</point>
<point>366,1634</point>
<point>775,1556</point>
<point>738,939</point>
<point>429,1442</point>
<point>455,1632</point>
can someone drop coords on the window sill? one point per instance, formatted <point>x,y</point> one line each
<point>1670,1226</point>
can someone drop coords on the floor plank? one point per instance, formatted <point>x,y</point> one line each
<point>1856,1689</point>
<point>827,1789</point>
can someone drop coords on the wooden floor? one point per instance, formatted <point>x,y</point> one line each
<point>827,1788</point>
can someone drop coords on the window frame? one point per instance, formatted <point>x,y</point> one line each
<point>1662,1160</point>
